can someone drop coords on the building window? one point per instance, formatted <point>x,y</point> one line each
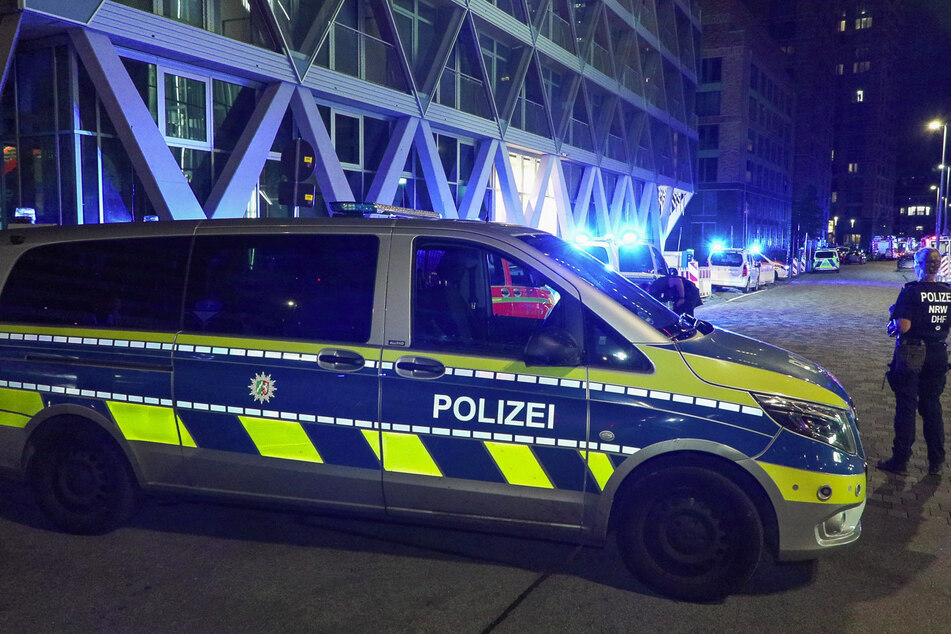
<point>861,67</point>
<point>863,22</point>
<point>711,70</point>
<point>184,116</point>
<point>840,69</point>
<point>853,168</point>
<point>859,96</point>
<point>709,137</point>
<point>708,170</point>
<point>835,197</point>
<point>708,103</point>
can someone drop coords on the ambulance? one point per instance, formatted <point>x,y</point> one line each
<point>356,364</point>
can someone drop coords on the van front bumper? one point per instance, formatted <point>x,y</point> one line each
<point>806,529</point>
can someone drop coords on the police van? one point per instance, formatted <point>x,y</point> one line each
<point>367,365</point>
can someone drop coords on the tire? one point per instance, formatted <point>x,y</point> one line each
<point>83,482</point>
<point>689,533</point>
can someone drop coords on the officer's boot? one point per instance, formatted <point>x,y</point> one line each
<point>894,465</point>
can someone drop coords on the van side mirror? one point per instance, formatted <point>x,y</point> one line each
<point>552,347</point>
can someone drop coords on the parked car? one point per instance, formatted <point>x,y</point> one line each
<point>826,260</point>
<point>906,262</point>
<point>780,270</point>
<point>640,262</point>
<point>856,256</point>
<point>734,268</point>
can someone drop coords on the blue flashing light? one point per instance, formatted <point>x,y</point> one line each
<point>629,237</point>
<point>716,246</point>
<point>755,248</point>
<point>582,238</point>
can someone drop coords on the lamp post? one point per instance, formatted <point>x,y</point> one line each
<point>942,206</point>
<point>835,230</point>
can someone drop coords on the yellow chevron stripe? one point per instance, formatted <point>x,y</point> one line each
<point>519,465</point>
<point>280,439</point>
<point>600,466</point>
<point>18,407</point>
<point>148,423</point>
<point>406,453</point>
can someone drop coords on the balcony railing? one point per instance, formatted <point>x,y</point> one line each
<point>531,117</point>
<point>463,92</point>
<point>360,55</point>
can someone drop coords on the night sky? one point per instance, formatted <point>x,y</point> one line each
<point>924,91</point>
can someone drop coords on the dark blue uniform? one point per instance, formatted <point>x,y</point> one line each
<point>919,366</point>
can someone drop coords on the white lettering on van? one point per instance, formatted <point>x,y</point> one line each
<point>501,412</point>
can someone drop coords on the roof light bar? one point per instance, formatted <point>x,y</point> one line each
<point>377,210</point>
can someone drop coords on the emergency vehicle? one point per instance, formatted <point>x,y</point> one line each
<point>359,364</point>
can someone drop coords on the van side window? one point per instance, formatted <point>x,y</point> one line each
<point>607,349</point>
<point>285,286</point>
<point>133,283</point>
<point>474,300</point>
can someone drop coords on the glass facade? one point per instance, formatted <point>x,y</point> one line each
<point>505,67</point>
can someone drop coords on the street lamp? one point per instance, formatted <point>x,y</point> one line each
<point>942,206</point>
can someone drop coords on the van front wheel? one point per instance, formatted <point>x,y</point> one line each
<point>690,533</point>
<point>83,483</point>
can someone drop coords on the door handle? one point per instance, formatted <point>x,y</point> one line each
<point>419,368</point>
<point>340,360</point>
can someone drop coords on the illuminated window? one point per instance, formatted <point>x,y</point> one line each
<point>859,96</point>
<point>863,22</point>
<point>835,197</point>
<point>841,25</point>
<point>853,168</point>
<point>861,67</point>
<point>840,69</point>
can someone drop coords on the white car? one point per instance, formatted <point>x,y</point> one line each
<point>770,270</point>
<point>734,268</point>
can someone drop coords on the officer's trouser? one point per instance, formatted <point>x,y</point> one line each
<point>920,391</point>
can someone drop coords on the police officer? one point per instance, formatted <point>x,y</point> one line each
<point>920,320</point>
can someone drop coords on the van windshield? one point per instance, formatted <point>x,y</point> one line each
<point>599,252</point>
<point>606,280</point>
<point>635,259</point>
<point>726,258</point>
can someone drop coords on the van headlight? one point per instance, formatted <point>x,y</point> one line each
<point>819,422</point>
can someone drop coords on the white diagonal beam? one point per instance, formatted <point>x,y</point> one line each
<point>566,224</point>
<point>601,203</point>
<point>330,177</point>
<point>471,202</point>
<point>165,184</point>
<point>387,179</point>
<point>229,198</point>
<point>508,187</point>
<point>583,201</point>
<point>619,200</point>
<point>536,199</point>
<point>433,172</point>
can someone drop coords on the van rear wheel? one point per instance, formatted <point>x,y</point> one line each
<point>690,533</point>
<point>83,482</point>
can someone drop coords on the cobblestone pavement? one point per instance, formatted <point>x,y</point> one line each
<point>838,320</point>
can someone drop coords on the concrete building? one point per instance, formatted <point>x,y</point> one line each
<point>866,72</point>
<point>801,29</point>
<point>745,104</point>
<point>560,115</point>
